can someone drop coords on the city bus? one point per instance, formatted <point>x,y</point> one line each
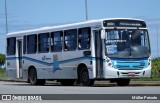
<point>115,49</point>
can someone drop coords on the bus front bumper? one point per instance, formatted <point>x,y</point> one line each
<point>114,73</point>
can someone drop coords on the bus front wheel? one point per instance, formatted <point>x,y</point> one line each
<point>33,78</point>
<point>123,82</point>
<point>84,77</point>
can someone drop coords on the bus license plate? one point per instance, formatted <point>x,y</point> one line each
<point>131,73</point>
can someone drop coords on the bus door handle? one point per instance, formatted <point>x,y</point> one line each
<point>87,53</point>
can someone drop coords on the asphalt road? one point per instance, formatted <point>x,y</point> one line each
<point>25,88</point>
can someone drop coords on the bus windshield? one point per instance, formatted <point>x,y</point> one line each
<point>127,43</point>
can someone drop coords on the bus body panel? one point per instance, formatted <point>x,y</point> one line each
<point>42,63</point>
<point>71,61</point>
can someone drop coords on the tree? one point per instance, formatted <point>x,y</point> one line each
<point>2,59</point>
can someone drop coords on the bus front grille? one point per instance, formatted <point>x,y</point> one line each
<point>124,65</point>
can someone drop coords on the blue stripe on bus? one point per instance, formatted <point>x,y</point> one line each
<point>30,59</point>
<point>50,64</point>
<point>76,59</point>
<point>37,61</point>
<point>11,58</point>
<point>70,60</point>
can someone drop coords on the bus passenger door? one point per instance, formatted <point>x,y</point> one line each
<point>19,66</point>
<point>98,54</point>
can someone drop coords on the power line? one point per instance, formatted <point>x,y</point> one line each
<point>157,43</point>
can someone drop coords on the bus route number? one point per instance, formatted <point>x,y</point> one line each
<point>112,49</point>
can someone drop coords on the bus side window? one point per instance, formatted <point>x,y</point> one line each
<point>11,46</point>
<point>84,35</point>
<point>44,42</point>
<point>70,37</point>
<point>56,41</point>
<point>24,45</point>
<point>32,44</point>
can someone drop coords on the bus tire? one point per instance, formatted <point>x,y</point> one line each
<point>123,82</point>
<point>84,77</point>
<point>67,82</point>
<point>33,77</point>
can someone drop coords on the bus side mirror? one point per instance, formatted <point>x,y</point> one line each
<point>102,34</point>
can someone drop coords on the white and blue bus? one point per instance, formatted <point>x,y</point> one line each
<point>116,49</point>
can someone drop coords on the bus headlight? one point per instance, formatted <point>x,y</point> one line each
<point>149,61</point>
<point>109,64</point>
<point>108,61</point>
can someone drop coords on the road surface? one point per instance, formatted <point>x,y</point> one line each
<point>25,88</point>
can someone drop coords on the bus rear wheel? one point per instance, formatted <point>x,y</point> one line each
<point>84,77</point>
<point>123,82</point>
<point>33,78</point>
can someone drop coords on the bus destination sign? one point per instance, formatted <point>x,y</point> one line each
<point>124,23</point>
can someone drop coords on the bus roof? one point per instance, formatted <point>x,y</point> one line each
<point>66,26</point>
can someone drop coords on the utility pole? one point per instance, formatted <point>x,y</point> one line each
<point>6,17</point>
<point>86,9</point>
<point>157,43</point>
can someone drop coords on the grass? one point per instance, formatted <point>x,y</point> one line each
<point>155,69</point>
<point>2,73</point>
<point>155,73</point>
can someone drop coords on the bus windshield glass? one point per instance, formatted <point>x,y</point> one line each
<point>127,43</point>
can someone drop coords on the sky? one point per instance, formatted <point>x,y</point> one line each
<point>31,14</point>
